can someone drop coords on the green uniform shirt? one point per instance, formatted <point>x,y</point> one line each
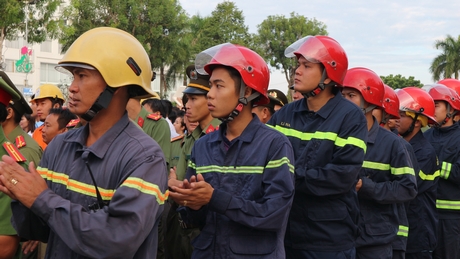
<point>6,229</point>
<point>31,150</point>
<point>158,130</point>
<point>176,149</point>
<point>188,144</point>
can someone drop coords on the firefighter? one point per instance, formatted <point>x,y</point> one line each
<point>416,112</point>
<point>387,178</point>
<point>46,97</point>
<point>328,135</point>
<point>240,182</point>
<point>99,190</point>
<point>445,139</point>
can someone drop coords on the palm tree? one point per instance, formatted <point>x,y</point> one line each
<point>448,62</point>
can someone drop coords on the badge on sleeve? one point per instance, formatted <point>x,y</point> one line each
<point>20,141</point>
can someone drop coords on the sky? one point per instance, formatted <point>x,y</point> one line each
<point>389,37</point>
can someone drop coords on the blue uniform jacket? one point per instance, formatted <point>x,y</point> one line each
<point>422,214</point>
<point>253,181</point>
<point>446,142</point>
<point>329,147</point>
<point>388,179</point>
<point>129,169</point>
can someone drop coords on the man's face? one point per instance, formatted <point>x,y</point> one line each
<point>352,95</point>
<point>51,128</point>
<point>86,87</point>
<point>307,75</point>
<point>222,97</point>
<point>196,107</point>
<point>405,122</point>
<point>440,111</point>
<point>44,106</point>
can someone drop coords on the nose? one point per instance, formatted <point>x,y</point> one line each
<point>73,86</point>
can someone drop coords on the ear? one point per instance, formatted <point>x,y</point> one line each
<point>63,130</point>
<point>56,105</point>
<point>456,117</point>
<point>10,113</point>
<point>248,91</point>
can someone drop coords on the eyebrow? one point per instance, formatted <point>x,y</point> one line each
<point>217,81</point>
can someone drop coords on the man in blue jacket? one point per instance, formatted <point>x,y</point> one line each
<point>99,190</point>
<point>328,135</point>
<point>387,178</point>
<point>241,176</point>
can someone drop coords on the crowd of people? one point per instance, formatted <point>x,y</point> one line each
<point>350,168</point>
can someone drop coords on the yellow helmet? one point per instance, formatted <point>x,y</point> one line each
<point>117,55</point>
<point>155,96</point>
<point>48,91</point>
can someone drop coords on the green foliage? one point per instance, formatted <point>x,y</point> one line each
<point>277,32</point>
<point>398,81</point>
<point>40,22</point>
<point>446,64</point>
<point>160,25</point>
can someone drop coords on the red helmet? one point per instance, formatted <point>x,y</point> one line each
<point>414,99</point>
<point>452,83</point>
<point>368,83</point>
<point>441,92</point>
<point>251,66</point>
<point>324,50</point>
<point>391,102</point>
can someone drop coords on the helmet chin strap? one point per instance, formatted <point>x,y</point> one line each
<point>102,102</point>
<point>449,115</point>
<point>242,101</point>
<point>320,86</point>
<point>412,125</point>
<point>368,109</point>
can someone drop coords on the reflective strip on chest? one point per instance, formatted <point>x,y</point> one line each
<point>241,169</point>
<point>331,136</point>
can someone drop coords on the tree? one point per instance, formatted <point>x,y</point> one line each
<point>447,64</point>
<point>40,22</point>
<point>277,32</point>
<point>160,25</point>
<point>399,82</point>
<point>226,24</point>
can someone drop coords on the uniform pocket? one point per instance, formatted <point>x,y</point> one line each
<point>253,244</point>
<point>203,241</point>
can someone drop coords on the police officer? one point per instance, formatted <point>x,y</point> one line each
<point>9,241</point>
<point>16,109</point>
<point>152,124</point>
<point>196,111</point>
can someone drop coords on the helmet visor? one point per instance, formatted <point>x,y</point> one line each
<point>311,48</point>
<point>408,103</point>
<point>225,54</point>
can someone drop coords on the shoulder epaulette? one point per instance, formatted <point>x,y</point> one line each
<point>20,141</point>
<point>72,123</point>
<point>211,129</point>
<point>140,122</point>
<point>154,116</point>
<point>13,151</point>
<point>177,138</point>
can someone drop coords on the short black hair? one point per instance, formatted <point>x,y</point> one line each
<point>157,106</point>
<point>64,116</point>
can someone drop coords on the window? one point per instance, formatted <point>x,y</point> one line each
<point>48,74</point>
<point>9,65</point>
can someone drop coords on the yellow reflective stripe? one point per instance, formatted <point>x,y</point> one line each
<point>386,167</point>
<point>279,163</point>
<point>376,165</point>
<point>230,169</point>
<point>429,177</point>
<point>445,170</point>
<point>403,231</point>
<point>241,169</point>
<point>306,136</point>
<point>449,205</point>
<point>146,187</point>
<point>73,185</point>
